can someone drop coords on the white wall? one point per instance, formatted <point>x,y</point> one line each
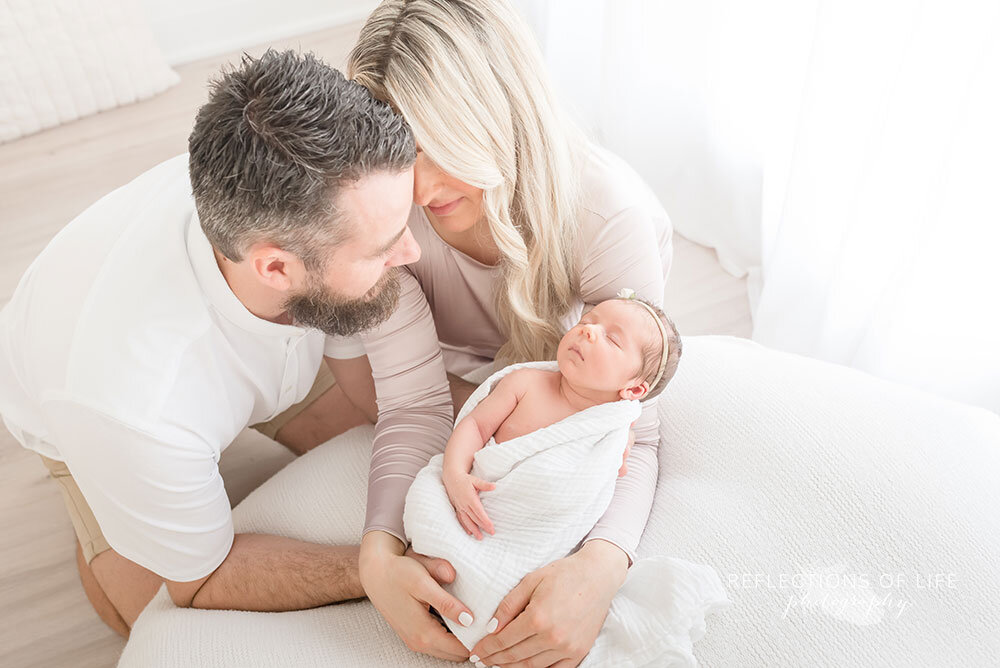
<point>187,30</point>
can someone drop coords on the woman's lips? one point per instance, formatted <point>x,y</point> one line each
<point>444,209</point>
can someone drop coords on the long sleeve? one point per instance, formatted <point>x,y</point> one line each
<point>625,519</point>
<point>624,252</point>
<point>414,402</point>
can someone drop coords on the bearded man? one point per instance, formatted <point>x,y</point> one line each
<point>196,300</point>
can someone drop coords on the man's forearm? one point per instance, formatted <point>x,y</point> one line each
<point>274,574</point>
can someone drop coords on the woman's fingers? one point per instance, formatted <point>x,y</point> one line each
<point>440,569</point>
<point>494,647</point>
<point>433,639</point>
<point>447,605</point>
<point>513,604</point>
<point>394,585</point>
<point>544,658</point>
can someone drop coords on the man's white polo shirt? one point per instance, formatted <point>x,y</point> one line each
<point>124,353</point>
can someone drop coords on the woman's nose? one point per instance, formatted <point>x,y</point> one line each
<point>425,181</point>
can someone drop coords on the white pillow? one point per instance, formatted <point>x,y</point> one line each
<point>64,59</point>
<point>770,463</point>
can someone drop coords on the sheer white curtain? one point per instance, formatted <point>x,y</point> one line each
<point>666,86</point>
<point>844,152</point>
<point>881,225</point>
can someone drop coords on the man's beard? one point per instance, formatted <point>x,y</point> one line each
<point>321,308</point>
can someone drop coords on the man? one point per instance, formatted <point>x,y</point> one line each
<point>194,301</point>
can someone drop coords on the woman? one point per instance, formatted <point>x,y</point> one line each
<point>523,225</point>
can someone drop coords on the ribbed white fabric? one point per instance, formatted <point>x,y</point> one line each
<point>64,59</point>
<point>774,466</point>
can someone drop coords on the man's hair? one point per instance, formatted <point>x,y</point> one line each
<point>278,139</point>
<point>653,350</point>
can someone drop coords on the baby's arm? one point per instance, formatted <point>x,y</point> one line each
<point>470,435</point>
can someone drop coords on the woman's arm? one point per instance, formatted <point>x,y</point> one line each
<point>414,405</point>
<point>625,519</point>
<point>414,421</point>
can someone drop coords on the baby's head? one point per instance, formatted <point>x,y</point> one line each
<point>618,347</point>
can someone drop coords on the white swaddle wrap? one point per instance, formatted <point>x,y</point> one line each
<point>552,486</point>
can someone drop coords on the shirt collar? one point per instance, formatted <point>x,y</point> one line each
<point>217,291</point>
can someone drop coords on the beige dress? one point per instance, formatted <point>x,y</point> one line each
<point>446,320</point>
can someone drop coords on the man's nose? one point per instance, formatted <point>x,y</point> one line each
<point>408,251</point>
<point>425,181</point>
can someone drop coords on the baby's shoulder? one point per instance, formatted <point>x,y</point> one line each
<point>525,379</point>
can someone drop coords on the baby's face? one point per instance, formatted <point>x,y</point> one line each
<point>604,350</point>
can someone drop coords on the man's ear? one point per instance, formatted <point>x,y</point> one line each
<point>274,267</point>
<point>635,391</point>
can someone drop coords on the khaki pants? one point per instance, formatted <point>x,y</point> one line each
<point>89,533</point>
<point>84,523</point>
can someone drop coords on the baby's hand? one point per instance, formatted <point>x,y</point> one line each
<point>463,492</point>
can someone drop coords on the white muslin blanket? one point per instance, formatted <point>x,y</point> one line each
<point>552,486</point>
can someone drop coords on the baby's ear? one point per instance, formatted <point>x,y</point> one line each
<point>636,392</point>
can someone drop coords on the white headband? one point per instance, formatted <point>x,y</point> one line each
<point>628,294</point>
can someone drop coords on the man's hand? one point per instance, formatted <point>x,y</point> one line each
<point>552,617</point>
<point>463,492</point>
<point>401,588</point>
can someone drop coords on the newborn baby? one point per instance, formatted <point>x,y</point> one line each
<point>624,348</point>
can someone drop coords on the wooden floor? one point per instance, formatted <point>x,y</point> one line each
<point>48,178</point>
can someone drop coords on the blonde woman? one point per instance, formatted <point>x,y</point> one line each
<point>523,225</point>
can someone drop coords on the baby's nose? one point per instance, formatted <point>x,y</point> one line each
<point>588,331</point>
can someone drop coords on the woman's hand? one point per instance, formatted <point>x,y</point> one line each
<point>401,588</point>
<point>463,492</point>
<point>553,616</point>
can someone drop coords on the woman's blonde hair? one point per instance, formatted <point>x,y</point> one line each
<point>468,78</point>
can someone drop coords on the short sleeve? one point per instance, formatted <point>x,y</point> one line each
<point>162,505</point>
<point>343,347</point>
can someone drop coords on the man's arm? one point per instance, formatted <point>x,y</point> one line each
<point>162,505</point>
<point>266,573</point>
<point>354,376</point>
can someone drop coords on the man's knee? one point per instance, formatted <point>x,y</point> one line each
<point>102,604</point>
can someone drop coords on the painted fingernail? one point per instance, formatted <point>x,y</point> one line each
<point>492,626</point>
<point>480,664</point>
<point>465,619</point>
<point>474,659</point>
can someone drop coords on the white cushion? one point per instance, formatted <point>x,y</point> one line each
<point>64,59</point>
<point>772,466</point>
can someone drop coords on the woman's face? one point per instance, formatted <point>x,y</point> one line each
<point>454,205</point>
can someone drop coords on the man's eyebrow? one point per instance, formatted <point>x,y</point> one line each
<point>392,242</point>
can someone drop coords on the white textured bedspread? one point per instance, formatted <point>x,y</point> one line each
<point>853,521</point>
